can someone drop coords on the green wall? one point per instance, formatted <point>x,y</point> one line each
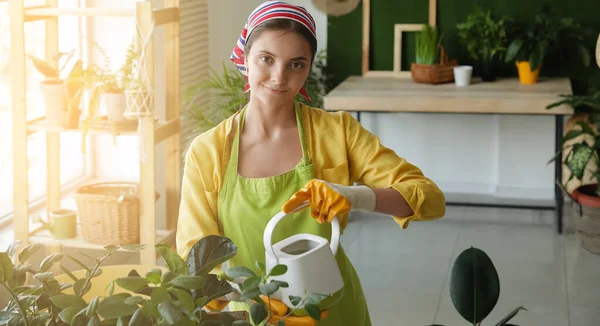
<point>344,35</point>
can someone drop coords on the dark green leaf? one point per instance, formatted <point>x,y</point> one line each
<point>154,275</point>
<point>295,300</point>
<point>584,54</point>
<point>189,282</point>
<point>185,299</point>
<point>313,311</point>
<point>38,321</point>
<point>513,49</point>
<point>137,319</point>
<point>586,128</point>
<point>278,270</point>
<point>6,268</point>
<point>150,310</point>
<point>49,261</point>
<point>12,249</point>
<point>268,289</point>
<point>248,294</point>
<point>28,251</point>
<point>64,301</point>
<point>169,312</point>
<point>67,314</point>
<point>114,306</point>
<point>78,287</point>
<point>94,321</point>
<point>132,283</point>
<point>167,277</point>
<point>537,57</point>
<point>43,301</point>
<point>572,134</point>
<point>474,285</point>
<point>80,319</point>
<point>251,282</point>
<point>134,248</point>
<point>175,263</point>
<point>213,288</point>
<point>281,284</point>
<point>258,313</point>
<point>208,253</point>
<point>239,271</point>
<point>92,307</point>
<point>510,316</point>
<point>159,295</point>
<point>134,300</point>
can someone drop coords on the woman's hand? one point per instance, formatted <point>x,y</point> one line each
<point>328,200</point>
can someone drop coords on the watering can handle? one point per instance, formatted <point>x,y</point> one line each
<point>335,230</point>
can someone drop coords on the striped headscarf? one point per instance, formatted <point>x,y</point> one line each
<point>267,11</point>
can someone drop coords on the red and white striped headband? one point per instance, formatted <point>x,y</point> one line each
<point>267,11</point>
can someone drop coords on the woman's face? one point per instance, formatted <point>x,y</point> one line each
<point>278,65</point>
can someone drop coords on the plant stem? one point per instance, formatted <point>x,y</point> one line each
<point>21,309</point>
<point>89,279</point>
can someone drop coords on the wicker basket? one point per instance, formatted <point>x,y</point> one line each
<point>109,213</point>
<point>586,216</point>
<point>434,74</point>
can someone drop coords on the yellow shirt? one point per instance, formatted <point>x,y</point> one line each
<point>342,152</point>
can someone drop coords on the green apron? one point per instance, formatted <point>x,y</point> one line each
<point>247,204</point>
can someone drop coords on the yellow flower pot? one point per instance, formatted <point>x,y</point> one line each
<point>526,76</point>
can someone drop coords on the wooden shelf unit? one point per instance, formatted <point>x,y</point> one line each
<point>153,131</point>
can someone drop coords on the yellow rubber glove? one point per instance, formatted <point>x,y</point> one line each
<point>279,311</point>
<point>328,200</point>
<point>216,305</point>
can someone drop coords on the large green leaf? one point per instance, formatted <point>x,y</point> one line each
<point>64,301</point>
<point>513,49</point>
<point>189,282</point>
<point>175,263</point>
<point>579,158</point>
<point>584,54</point>
<point>213,288</point>
<point>6,267</point>
<point>537,56</point>
<point>67,314</point>
<point>132,283</point>
<point>169,312</point>
<point>49,261</point>
<point>114,306</point>
<point>208,253</point>
<point>474,285</point>
<point>258,313</point>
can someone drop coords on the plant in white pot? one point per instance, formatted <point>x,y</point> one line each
<point>61,93</point>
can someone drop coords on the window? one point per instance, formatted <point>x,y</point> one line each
<point>73,162</point>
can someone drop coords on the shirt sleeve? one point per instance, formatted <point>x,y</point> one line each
<point>197,210</point>
<point>376,166</point>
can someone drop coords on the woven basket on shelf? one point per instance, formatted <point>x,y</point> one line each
<point>434,74</point>
<point>109,213</point>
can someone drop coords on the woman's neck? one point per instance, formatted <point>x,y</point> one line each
<point>269,120</point>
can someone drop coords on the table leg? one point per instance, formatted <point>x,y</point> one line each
<point>358,116</point>
<point>558,195</point>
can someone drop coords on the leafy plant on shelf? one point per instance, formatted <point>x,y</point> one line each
<point>533,40</point>
<point>581,154</point>
<point>475,287</point>
<point>428,42</point>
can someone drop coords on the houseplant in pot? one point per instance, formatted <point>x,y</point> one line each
<point>60,92</point>
<point>484,37</point>
<point>581,152</point>
<point>432,65</point>
<point>533,41</point>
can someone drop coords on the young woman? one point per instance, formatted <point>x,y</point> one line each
<point>277,153</point>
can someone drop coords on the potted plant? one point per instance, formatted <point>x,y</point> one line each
<point>61,93</point>
<point>484,37</point>
<point>431,66</point>
<point>178,294</point>
<point>581,153</point>
<point>532,41</point>
<point>475,287</point>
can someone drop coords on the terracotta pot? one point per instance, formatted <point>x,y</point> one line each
<point>585,195</point>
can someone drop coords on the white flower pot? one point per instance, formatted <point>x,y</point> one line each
<point>462,75</point>
<point>115,105</point>
<point>55,99</point>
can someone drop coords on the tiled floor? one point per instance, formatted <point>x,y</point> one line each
<point>405,273</point>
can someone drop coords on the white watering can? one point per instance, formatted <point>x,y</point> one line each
<point>310,261</point>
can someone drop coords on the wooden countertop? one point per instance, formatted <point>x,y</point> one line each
<point>503,96</point>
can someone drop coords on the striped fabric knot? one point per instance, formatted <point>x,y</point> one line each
<point>266,11</point>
